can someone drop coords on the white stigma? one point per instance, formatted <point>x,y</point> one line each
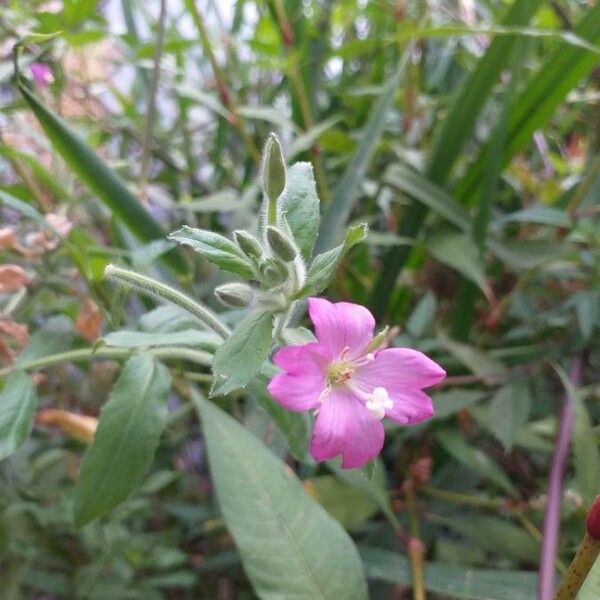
<point>378,402</point>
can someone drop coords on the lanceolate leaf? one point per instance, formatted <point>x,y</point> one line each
<point>242,355</point>
<point>290,547</point>
<point>128,433</point>
<point>449,580</point>
<point>300,206</point>
<point>323,266</point>
<point>18,401</point>
<point>347,192</point>
<point>216,248</point>
<point>561,72</point>
<point>102,180</point>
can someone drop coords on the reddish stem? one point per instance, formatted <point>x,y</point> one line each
<point>555,485</point>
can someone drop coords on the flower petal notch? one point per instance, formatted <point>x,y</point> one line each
<point>350,385</point>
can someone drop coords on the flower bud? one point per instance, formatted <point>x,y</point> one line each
<point>275,272</point>
<point>281,244</point>
<point>248,244</point>
<point>235,295</point>
<point>273,168</point>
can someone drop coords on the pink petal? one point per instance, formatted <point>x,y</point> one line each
<point>413,406</point>
<point>396,369</point>
<point>304,378</point>
<point>341,325</point>
<point>344,426</point>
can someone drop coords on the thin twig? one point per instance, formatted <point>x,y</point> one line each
<point>151,107</point>
<point>414,545</point>
<point>559,460</point>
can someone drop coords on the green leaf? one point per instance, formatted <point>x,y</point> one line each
<point>474,459</point>
<point>295,426</point>
<point>422,316</point>
<point>586,454</point>
<point>477,361</point>
<point>323,266</point>
<point>420,188</point>
<point>345,503</point>
<point>102,180</point>
<point>205,340</point>
<point>216,248</point>
<point>300,206</point>
<point>460,120</point>
<point>242,355</point>
<point>537,102</point>
<point>290,547</point>
<point>459,251</point>
<point>508,413</point>
<point>128,433</point>
<point>55,336</point>
<point>18,401</point>
<point>494,535</point>
<point>590,590</point>
<point>527,254</point>
<point>451,581</point>
<point>347,191</point>
<point>449,403</point>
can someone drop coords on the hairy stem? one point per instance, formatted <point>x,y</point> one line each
<point>85,354</point>
<point>157,288</point>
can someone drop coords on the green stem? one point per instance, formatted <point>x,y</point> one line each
<point>85,354</point>
<point>154,287</point>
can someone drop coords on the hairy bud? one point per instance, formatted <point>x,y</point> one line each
<point>273,175</point>
<point>281,244</point>
<point>235,295</point>
<point>248,244</point>
<point>275,272</point>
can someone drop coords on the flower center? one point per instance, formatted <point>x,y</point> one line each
<point>378,402</point>
<point>340,372</point>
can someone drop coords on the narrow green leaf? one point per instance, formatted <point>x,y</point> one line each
<point>18,401</point>
<point>451,581</point>
<point>300,206</point>
<point>216,248</point>
<point>508,413</point>
<point>494,534</point>
<point>205,340</point>
<point>419,187</point>
<point>458,251</point>
<point>323,266</point>
<point>290,547</point>
<point>536,104</point>
<point>460,120</point>
<point>475,360</point>
<point>242,355</point>
<point>347,191</point>
<point>128,433</point>
<point>474,459</point>
<point>102,180</point>
<point>450,402</point>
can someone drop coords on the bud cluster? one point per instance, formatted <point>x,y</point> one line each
<point>279,270</point>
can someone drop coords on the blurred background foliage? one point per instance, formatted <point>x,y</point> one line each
<point>465,132</point>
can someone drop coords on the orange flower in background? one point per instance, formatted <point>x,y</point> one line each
<point>80,427</point>
<point>13,278</point>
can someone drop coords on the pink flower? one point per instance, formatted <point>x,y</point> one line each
<point>350,385</point>
<point>42,74</point>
